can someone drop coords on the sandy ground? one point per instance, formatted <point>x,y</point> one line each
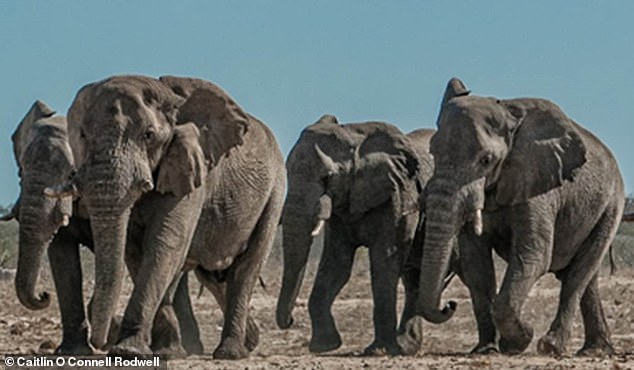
<point>445,346</point>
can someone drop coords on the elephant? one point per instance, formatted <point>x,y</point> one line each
<point>44,158</point>
<point>175,176</point>
<point>362,181</point>
<point>520,177</point>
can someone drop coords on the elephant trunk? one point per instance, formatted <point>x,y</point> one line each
<point>109,197</point>
<point>109,237</point>
<point>441,226</point>
<point>298,231</point>
<point>32,245</point>
<point>296,248</point>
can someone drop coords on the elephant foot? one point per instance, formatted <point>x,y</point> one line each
<point>551,344</point>
<point>76,348</point>
<point>131,346</point>
<point>485,349</point>
<point>172,352</point>
<point>411,339</point>
<point>252,337</point>
<point>320,344</point>
<point>600,348</point>
<point>382,349</point>
<point>231,349</point>
<point>113,333</point>
<point>517,344</point>
<point>284,321</point>
<point>193,347</point>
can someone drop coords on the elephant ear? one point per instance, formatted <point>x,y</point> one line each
<point>38,110</point>
<point>546,151</point>
<point>221,121</point>
<point>76,113</point>
<point>182,168</point>
<point>455,87</point>
<point>386,168</point>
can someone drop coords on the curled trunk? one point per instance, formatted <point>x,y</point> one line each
<point>440,230</point>
<point>31,250</point>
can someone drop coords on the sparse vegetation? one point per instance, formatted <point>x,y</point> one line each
<point>8,240</point>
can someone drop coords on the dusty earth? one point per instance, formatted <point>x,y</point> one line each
<point>445,346</point>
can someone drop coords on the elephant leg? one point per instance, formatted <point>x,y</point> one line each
<point>241,278</point>
<point>190,334</point>
<point>575,280</point>
<point>166,336</point>
<point>529,259</point>
<point>218,290</point>
<point>333,273</point>
<point>65,263</point>
<point>410,331</point>
<point>597,333</point>
<point>478,274</point>
<point>410,278</point>
<point>165,242</point>
<point>385,262</point>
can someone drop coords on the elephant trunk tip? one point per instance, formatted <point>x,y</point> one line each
<point>33,302</point>
<point>437,316</point>
<point>98,341</point>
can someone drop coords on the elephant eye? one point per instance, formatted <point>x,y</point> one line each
<point>148,135</point>
<point>486,159</point>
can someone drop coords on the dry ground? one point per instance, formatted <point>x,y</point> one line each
<point>445,345</point>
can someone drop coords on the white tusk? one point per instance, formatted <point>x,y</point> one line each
<point>318,227</point>
<point>65,220</point>
<point>477,222</point>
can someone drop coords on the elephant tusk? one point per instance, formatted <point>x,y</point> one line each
<point>448,280</point>
<point>317,229</point>
<point>65,220</point>
<point>61,191</point>
<point>477,222</point>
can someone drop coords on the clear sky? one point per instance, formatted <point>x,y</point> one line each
<point>289,62</point>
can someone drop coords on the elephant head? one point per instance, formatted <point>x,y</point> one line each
<point>44,158</point>
<point>130,135</point>
<point>347,170</point>
<point>488,153</point>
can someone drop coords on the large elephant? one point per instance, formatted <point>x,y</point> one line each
<point>44,158</point>
<point>181,163</point>
<point>363,182</point>
<point>519,177</point>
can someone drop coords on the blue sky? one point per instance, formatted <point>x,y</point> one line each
<point>289,62</point>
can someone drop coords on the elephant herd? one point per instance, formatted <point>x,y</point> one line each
<point>170,175</point>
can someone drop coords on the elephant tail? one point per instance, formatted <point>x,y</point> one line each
<point>263,284</point>
<point>613,267</point>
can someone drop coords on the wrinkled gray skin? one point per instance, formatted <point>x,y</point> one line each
<point>181,163</point>
<point>44,158</point>
<point>362,182</point>
<point>550,195</point>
